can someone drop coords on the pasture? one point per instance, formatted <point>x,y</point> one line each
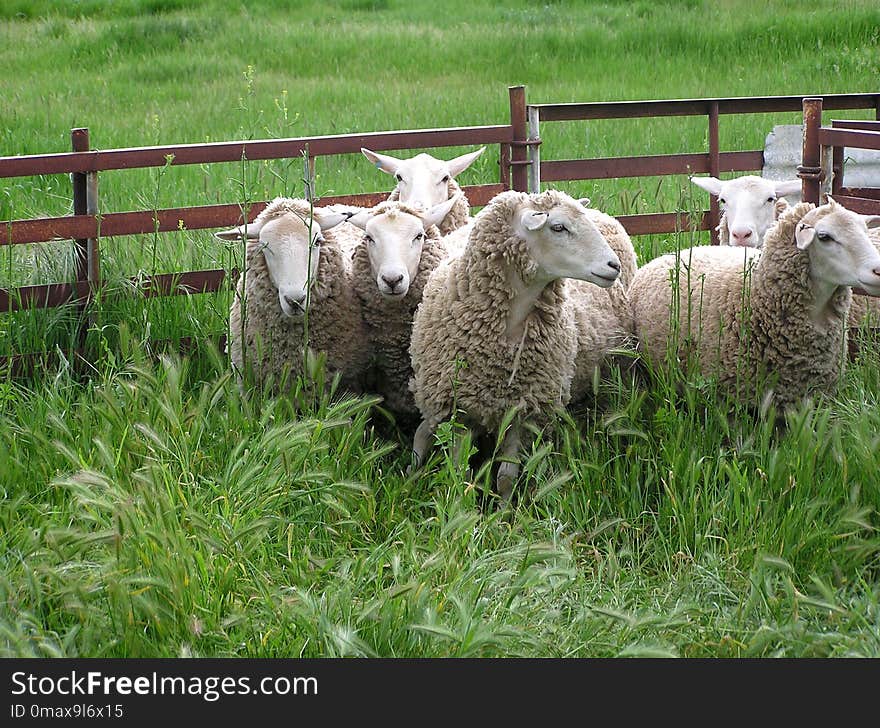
<point>153,510</point>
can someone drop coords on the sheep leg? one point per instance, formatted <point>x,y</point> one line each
<point>508,469</point>
<point>421,444</point>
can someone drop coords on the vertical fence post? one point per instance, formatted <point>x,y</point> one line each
<point>836,168</point>
<point>518,173</point>
<point>534,150</point>
<point>810,168</point>
<point>714,171</point>
<point>85,193</point>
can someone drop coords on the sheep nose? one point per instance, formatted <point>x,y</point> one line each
<point>392,282</point>
<point>614,264</point>
<point>741,237</point>
<point>295,300</point>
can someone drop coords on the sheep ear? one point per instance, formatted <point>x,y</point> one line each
<point>872,221</point>
<point>328,218</point>
<point>781,206</point>
<point>460,164</point>
<point>534,220</point>
<point>384,162</point>
<point>829,200</point>
<point>585,201</point>
<point>788,187</point>
<point>435,215</point>
<point>712,185</point>
<point>250,232</point>
<point>360,219</point>
<point>803,236</point>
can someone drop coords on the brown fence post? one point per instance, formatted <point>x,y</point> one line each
<point>810,168</point>
<point>79,139</point>
<point>714,171</point>
<point>518,174</point>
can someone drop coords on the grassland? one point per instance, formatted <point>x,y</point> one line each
<point>154,511</point>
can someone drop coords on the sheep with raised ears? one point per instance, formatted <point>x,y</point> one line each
<point>424,181</point>
<point>398,249</point>
<point>770,323</point>
<point>501,327</point>
<point>294,264</point>
<point>749,206</point>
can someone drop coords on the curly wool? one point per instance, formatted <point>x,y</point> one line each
<point>463,358</point>
<point>747,321</point>
<point>457,217</point>
<point>273,342</point>
<point>388,322</point>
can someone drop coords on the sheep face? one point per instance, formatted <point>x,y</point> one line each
<point>841,253</point>
<point>423,180</point>
<point>565,243</point>
<point>750,204</point>
<point>292,260</point>
<point>394,238</point>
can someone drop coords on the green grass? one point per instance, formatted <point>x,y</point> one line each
<point>152,510</point>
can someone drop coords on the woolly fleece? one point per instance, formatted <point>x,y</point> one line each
<point>775,336</point>
<point>389,321</point>
<point>274,342</point>
<point>462,356</point>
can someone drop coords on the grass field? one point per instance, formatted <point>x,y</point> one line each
<point>155,511</point>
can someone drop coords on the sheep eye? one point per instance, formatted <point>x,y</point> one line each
<point>722,200</point>
<point>824,237</point>
<point>398,178</point>
<point>557,227</point>
<point>369,240</point>
<point>771,199</point>
<point>445,180</point>
<point>418,238</point>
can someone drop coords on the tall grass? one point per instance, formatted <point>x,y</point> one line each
<point>153,509</point>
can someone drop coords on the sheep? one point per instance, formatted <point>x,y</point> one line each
<point>777,313</point>
<point>746,201</point>
<point>399,248</point>
<point>750,205</point>
<point>424,181</point>
<point>294,264</point>
<point>500,326</point>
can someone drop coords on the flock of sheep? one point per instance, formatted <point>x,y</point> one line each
<point>518,308</point>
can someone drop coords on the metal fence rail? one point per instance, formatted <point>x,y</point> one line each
<point>713,161</point>
<point>521,168</point>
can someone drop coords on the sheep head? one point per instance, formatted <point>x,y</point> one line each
<point>841,252</point>
<point>563,242</point>
<point>290,243</point>
<point>422,181</point>
<point>751,204</point>
<point>394,235</point>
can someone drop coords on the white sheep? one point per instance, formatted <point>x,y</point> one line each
<point>749,205</point>
<point>398,249</point>
<point>501,327</point>
<point>767,323</point>
<point>424,181</point>
<point>295,264</point>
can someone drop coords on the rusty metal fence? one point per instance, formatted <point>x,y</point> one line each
<point>520,168</point>
<point>712,161</point>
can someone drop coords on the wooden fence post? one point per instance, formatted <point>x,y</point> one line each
<point>518,156</point>
<point>714,171</point>
<point>810,168</point>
